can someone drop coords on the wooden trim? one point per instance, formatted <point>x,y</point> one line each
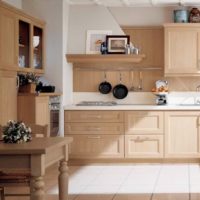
<point>192,25</point>
<point>141,27</point>
<point>87,58</point>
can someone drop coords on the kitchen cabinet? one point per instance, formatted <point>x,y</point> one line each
<point>144,134</point>
<point>97,134</point>
<point>8,96</point>
<point>19,50</point>
<point>8,37</point>
<point>182,134</point>
<point>97,146</point>
<point>33,109</point>
<point>143,122</point>
<point>144,146</point>
<point>182,49</point>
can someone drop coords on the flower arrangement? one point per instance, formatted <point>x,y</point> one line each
<point>28,78</point>
<point>16,132</point>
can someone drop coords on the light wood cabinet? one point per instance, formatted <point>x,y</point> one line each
<point>145,146</point>
<point>94,128</point>
<point>182,49</point>
<point>18,49</point>
<point>94,116</point>
<point>8,96</point>
<point>143,122</point>
<point>33,109</point>
<point>97,134</point>
<point>182,139</point>
<point>97,146</point>
<point>8,38</point>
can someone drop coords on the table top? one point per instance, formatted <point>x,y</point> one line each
<point>36,146</point>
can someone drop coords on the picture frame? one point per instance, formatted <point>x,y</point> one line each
<point>94,40</point>
<point>116,44</point>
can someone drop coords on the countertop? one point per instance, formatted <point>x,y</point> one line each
<point>134,107</point>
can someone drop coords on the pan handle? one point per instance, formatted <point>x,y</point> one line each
<point>105,76</point>
<point>120,77</point>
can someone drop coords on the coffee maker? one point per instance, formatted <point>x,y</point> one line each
<point>161,98</point>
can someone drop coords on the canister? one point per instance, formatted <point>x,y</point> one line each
<point>180,16</point>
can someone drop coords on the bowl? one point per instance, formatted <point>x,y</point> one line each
<point>36,41</point>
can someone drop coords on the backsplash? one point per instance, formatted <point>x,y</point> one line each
<point>138,97</point>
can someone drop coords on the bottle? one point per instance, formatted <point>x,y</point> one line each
<point>128,49</point>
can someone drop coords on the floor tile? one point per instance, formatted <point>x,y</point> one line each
<point>172,189</point>
<point>132,197</point>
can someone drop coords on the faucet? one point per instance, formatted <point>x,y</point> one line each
<point>198,88</point>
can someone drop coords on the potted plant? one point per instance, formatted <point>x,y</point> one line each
<point>27,82</point>
<point>16,132</point>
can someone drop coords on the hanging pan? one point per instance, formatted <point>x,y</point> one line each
<point>105,87</point>
<point>120,91</point>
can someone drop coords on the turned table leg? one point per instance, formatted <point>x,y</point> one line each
<point>63,180</point>
<point>37,188</point>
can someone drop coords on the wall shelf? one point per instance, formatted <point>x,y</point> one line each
<point>108,58</point>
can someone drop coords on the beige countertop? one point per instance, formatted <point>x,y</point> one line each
<point>134,107</point>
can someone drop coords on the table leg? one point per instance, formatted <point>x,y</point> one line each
<point>37,188</point>
<point>63,180</point>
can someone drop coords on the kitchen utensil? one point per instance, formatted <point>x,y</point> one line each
<point>105,87</point>
<point>132,88</point>
<point>140,81</point>
<point>120,91</point>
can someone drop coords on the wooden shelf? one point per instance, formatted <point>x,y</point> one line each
<point>108,58</point>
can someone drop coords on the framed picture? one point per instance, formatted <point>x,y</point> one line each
<point>94,40</point>
<point>116,44</point>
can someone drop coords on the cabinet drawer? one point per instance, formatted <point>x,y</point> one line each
<point>94,128</point>
<point>143,122</point>
<point>97,146</point>
<point>145,146</point>
<point>93,116</point>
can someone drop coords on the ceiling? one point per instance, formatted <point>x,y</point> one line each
<point>135,3</point>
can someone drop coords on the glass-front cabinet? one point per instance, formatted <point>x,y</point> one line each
<point>30,42</point>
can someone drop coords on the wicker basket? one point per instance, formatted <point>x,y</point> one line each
<point>29,88</point>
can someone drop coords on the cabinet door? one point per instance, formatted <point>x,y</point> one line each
<point>149,146</point>
<point>94,128</point>
<point>93,116</point>
<point>182,134</point>
<point>182,53</point>
<point>143,122</point>
<point>8,96</point>
<point>97,146</point>
<point>8,38</point>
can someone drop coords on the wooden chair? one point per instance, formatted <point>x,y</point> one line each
<point>15,179</point>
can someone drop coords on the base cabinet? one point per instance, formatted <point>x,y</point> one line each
<point>182,134</point>
<point>145,146</point>
<point>97,146</point>
<point>8,96</point>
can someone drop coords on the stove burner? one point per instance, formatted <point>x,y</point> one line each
<point>97,103</point>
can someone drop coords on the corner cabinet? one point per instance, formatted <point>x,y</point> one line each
<point>182,49</point>
<point>182,136</point>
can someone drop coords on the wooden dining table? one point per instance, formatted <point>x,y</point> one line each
<point>36,156</point>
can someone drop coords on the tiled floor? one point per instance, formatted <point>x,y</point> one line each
<point>129,182</point>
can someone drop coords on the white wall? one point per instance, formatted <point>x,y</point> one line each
<point>16,3</point>
<point>83,18</point>
<point>142,16</point>
<point>58,72</point>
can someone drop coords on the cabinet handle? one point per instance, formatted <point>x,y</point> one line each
<point>94,128</point>
<point>97,116</point>
<point>138,139</point>
<point>94,137</point>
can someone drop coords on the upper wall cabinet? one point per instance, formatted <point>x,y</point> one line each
<point>182,49</point>
<point>8,37</point>
<point>22,41</point>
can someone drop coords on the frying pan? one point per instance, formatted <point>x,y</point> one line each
<point>105,87</point>
<point>120,91</point>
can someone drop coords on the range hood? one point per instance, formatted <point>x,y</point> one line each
<point>135,3</point>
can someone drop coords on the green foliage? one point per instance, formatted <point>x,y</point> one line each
<point>16,132</point>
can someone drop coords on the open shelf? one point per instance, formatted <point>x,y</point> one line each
<point>107,58</point>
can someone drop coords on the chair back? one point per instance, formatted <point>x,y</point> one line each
<point>39,130</point>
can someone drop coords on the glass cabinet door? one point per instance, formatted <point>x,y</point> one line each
<point>37,47</point>
<point>24,44</point>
